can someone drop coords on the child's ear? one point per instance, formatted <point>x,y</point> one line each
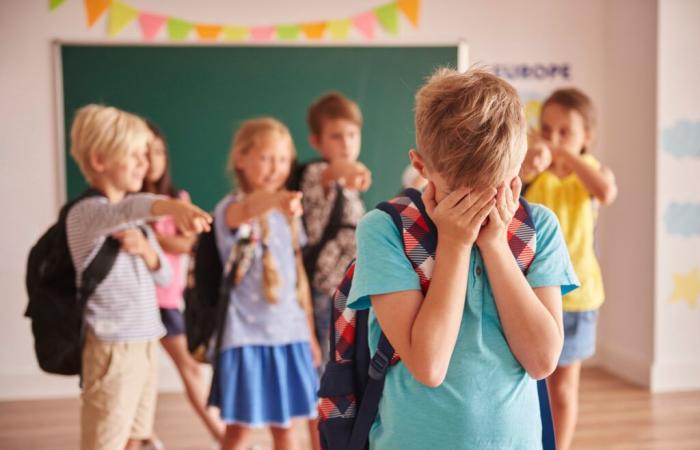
<point>315,142</point>
<point>96,163</point>
<point>417,162</point>
<point>588,139</point>
<point>238,161</point>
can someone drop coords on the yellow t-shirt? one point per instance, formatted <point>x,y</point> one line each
<point>576,210</point>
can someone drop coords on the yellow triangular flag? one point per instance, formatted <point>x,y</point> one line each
<point>235,33</point>
<point>339,29</point>
<point>120,15</point>
<point>410,9</point>
<point>94,10</point>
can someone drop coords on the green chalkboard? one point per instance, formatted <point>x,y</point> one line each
<point>198,95</point>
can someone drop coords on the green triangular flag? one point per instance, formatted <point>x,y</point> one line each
<point>288,32</point>
<point>53,4</point>
<point>120,16</point>
<point>178,30</point>
<point>388,16</point>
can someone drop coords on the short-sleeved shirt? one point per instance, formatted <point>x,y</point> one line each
<point>170,296</point>
<point>318,203</point>
<point>487,400</point>
<point>577,213</point>
<point>250,319</point>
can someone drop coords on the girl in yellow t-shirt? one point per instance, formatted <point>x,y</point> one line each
<point>560,173</point>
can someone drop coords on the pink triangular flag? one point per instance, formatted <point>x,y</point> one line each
<point>151,24</point>
<point>262,33</point>
<point>365,24</point>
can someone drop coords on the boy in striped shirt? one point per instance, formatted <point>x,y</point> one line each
<point>123,324</point>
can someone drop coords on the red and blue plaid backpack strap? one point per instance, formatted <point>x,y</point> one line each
<point>344,320</point>
<point>522,237</point>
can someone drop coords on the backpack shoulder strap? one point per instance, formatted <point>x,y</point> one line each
<point>522,236</point>
<point>418,233</point>
<point>102,263</point>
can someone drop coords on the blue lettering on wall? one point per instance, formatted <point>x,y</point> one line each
<point>537,71</point>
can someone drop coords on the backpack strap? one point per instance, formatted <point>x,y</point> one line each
<point>522,236</point>
<point>102,263</point>
<point>335,224</point>
<point>378,367</point>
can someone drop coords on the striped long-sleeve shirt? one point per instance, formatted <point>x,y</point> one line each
<point>123,307</point>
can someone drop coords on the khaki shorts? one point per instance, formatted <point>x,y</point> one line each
<point>119,392</point>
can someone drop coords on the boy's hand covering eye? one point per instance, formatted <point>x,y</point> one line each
<point>458,216</point>
<point>500,216</point>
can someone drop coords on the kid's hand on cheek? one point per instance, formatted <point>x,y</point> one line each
<point>458,216</point>
<point>495,231</point>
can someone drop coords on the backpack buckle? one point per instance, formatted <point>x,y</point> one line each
<point>378,365</point>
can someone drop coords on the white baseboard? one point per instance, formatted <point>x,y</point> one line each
<point>675,376</point>
<point>636,370</point>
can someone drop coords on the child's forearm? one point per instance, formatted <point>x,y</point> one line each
<point>532,325</point>
<point>99,218</point>
<point>432,336</point>
<point>150,257</point>
<point>176,244</point>
<point>600,182</point>
<point>252,206</point>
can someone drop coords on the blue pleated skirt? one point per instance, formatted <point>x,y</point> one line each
<point>259,386</point>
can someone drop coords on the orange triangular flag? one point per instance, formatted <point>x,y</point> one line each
<point>314,30</point>
<point>410,9</point>
<point>94,10</point>
<point>208,32</point>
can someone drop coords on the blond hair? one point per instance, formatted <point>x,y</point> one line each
<point>250,134</point>
<point>106,133</point>
<point>470,127</point>
<point>332,105</point>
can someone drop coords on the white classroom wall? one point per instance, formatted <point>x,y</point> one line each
<point>677,337</point>
<point>626,229</point>
<point>603,46</point>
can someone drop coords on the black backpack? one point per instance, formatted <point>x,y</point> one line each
<point>311,253</point>
<point>207,295</point>
<point>56,306</point>
<point>204,295</point>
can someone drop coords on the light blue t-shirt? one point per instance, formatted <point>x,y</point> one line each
<point>250,319</point>
<point>487,400</point>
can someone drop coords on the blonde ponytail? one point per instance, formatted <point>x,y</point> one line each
<point>302,288</point>
<point>271,277</point>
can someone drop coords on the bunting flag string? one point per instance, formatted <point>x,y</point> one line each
<point>365,24</point>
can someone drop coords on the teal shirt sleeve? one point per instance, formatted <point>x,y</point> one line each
<point>382,266</point>
<point>552,264</point>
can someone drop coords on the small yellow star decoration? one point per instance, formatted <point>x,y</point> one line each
<point>686,287</point>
